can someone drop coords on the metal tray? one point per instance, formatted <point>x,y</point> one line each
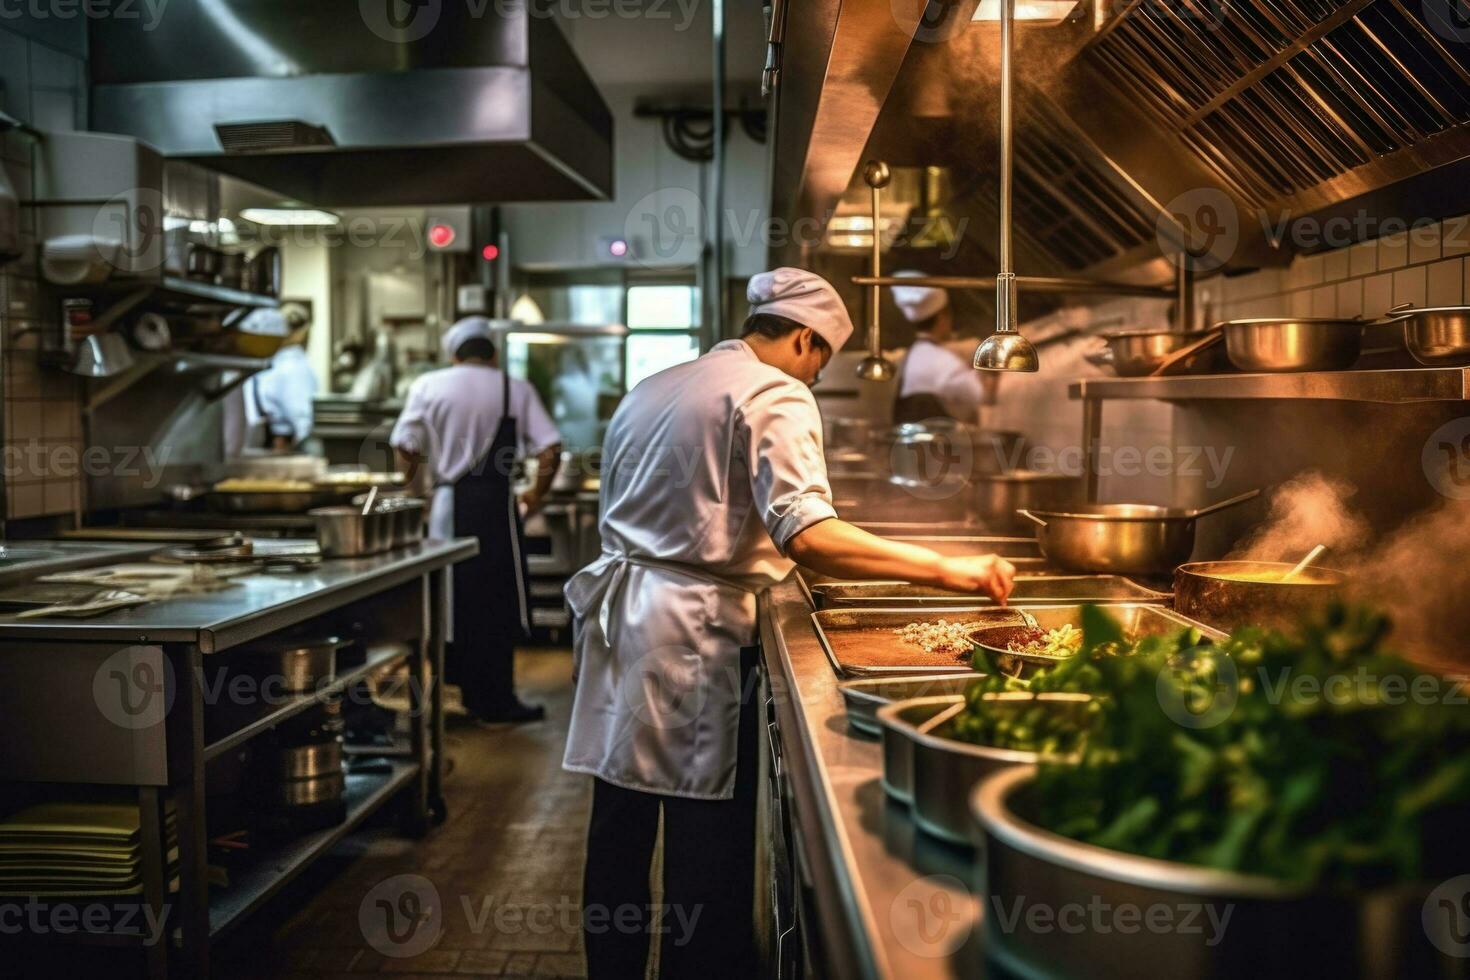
<point>1068,589</point>
<point>954,545</point>
<point>865,697</point>
<point>941,771</point>
<point>1274,929</point>
<point>1027,565</point>
<point>836,629</point>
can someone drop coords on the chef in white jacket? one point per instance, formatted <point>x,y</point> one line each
<point>933,380</point>
<point>713,482</point>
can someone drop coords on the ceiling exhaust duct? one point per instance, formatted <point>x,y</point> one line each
<point>321,103</point>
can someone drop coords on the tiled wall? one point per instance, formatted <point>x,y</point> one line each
<point>1427,265</point>
<point>43,82</point>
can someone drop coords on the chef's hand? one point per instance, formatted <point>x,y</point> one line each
<point>990,574</point>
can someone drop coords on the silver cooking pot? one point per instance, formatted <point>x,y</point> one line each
<point>997,498</point>
<point>1284,344</point>
<point>1121,539</point>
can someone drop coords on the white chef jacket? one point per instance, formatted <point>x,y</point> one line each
<point>450,417</point>
<point>931,369</point>
<point>281,396</point>
<point>710,468</point>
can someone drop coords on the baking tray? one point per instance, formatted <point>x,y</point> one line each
<point>1048,589</point>
<point>847,637</point>
<point>864,697</point>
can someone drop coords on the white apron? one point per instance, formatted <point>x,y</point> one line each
<point>709,469</point>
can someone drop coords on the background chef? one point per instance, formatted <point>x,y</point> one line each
<point>464,427</point>
<point>665,619</point>
<point>933,381</point>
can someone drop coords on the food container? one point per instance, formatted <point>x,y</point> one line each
<point>897,724</point>
<point>1120,539</point>
<point>1135,619</point>
<point>1285,344</point>
<point>996,498</point>
<point>1207,924</point>
<point>1202,591</point>
<point>942,771</point>
<point>300,665</point>
<point>864,697</point>
<point>1029,589</point>
<point>345,532</point>
<point>863,642</point>
<point>314,792</point>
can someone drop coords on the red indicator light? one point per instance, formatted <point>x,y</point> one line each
<point>491,253</point>
<point>441,236</point>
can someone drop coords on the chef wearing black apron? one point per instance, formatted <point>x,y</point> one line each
<point>469,423</point>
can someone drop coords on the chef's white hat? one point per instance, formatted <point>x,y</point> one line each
<point>918,303</point>
<point>804,297</point>
<point>467,329</point>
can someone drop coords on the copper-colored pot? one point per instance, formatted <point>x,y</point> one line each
<point>1203,593</point>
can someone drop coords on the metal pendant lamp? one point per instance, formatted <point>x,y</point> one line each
<point>1006,349</point>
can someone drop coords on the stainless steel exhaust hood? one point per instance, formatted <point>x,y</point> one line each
<point>344,103</point>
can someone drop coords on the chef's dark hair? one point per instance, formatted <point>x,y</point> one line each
<point>476,348</point>
<point>775,326</point>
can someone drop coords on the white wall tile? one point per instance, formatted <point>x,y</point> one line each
<point>1455,236</point>
<point>1335,265</point>
<point>1446,283</point>
<point>1350,297</point>
<point>1424,242</point>
<point>1409,285</point>
<point>1393,251</point>
<point>1299,303</point>
<point>1377,294</point>
<point>1363,259</point>
<point>1324,301</point>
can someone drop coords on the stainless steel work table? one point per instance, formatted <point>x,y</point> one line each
<point>76,701</point>
<point>889,900</point>
<point>253,607</point>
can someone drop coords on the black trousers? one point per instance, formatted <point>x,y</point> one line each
<point>484,669</point>
<point>707,929</point>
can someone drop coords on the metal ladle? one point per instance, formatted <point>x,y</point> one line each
<point>1006,349</point>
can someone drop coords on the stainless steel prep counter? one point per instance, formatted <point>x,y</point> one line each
<point>881,898</point>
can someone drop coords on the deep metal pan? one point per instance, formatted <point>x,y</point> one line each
<point>1286,344</point>
<point>1238,925</point>
<point>942,771</point>
<point>1139,353</point>
<point>864,697</point>
<point>861,643</point>
<point>1227,594</point>
<point>1436,336</point>
<point>1028,589</point>
<point>271,502</point>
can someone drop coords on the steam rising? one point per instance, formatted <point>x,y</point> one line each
<point>1419,574</point>
<point>1308,510</point>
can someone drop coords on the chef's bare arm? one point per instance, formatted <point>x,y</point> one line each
<point>411,465</point>
<point>837,548</point>
<point>548,461</point>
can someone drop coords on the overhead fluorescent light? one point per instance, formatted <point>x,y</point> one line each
<point>290,216</point>
<point>1034,11</point>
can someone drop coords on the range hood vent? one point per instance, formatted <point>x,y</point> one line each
<point>1282,97</point>
<point>332,103</point>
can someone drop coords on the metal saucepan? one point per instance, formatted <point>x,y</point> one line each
<point>301,665</point>
<point>1284,344</point>
<point>310,759</point>
<point>1263,927</point>
<point>1437,336</point>
<point>991,450</point>
<point>1121,539</point>
<point>1138,353</point>
<point>1228,594</point>
<point>997,498</point>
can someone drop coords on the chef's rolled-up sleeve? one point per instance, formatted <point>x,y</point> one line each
<point>782,431</point>
<point>410,432</point>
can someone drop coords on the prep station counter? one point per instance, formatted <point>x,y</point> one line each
<point>857,889</point>
<point>80,707</point>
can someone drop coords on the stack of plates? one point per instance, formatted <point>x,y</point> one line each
<point>56,849</point>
